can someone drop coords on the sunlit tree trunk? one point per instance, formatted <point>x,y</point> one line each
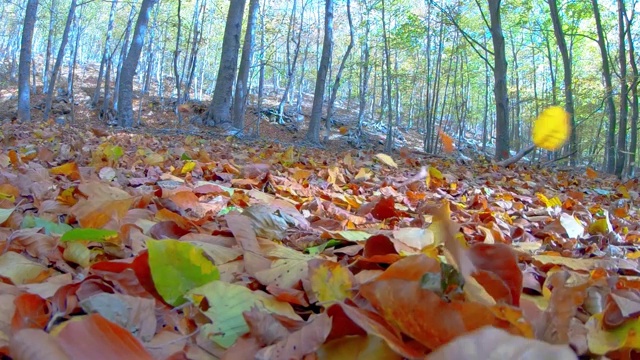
<point>568,86</point>
<point>24,100</point>
<point>611,109</point>
<point>59,58</point>
<point>622,55</point>
<point>500,82</point>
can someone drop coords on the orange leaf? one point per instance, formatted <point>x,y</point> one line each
<point>100,338</point>
<point>591,174</point>
<point>447,142</point>
<point>32,311</point>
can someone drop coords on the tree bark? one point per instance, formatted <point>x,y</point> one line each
<point>24,102</point>
<point>500,82</point>
<point>220,108</point>
<point>336,84</point>
<point>59,58</point>
<point>622,55</point>
<point>242,83</point>
<point>313,133</point>
<point>568,90</point>
<point>105,53</point>
<point>634,101</point>
<point>611,108</point>
<point>125,93</point>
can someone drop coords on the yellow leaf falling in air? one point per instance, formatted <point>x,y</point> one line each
<point>551,129</point>
<point>591,174</point>
<point>386,159</point>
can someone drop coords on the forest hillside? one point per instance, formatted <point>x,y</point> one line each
<point>319,179</point>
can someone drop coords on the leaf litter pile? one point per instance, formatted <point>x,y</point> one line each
<point>125,246</point>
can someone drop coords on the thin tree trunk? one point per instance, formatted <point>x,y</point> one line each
<point>611,109</point>
<point>125,95</point>
<point>633,146</point>
<point>24,102</point>
<point>364,69</point>
<point>242,83</point>
<point>59,58</point>
<point>568,91</point>
<point>336,84</point>
<point>388,144</point>
<point>112,14</point>
<point>622,55</point>
<point>313,133</point>
<point>500,82</point>
<point>176,73</point>
<point>47,58</point>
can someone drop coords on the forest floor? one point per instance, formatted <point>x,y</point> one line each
<point>177,241</point>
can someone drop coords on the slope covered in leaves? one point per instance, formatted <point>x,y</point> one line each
<point>117,245</point>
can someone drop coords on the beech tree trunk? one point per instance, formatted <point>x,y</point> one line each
<point>611,108</point>
<point>220,108</point>
<point>622,55</point>
<point>125,93</point>
<point>242,83</point>
<point>568,91</point>
<point>500,82</point>
<point>313,134</point>
<point>59,58</point>
<point>336,84</point>
<point>24,100</point>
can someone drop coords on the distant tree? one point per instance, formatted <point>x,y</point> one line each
<point>313,133</point>
<point>24,102</point>
<point>220,108</point>
<point>125,92</point>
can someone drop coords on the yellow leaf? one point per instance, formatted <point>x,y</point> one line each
<point>363,174</point>
<point>78,253</point>
<point>386,159</point>
<point>69,170</point>
<point>330,281</point>
<point>188,167</point>
<point>602,341</point>
<point>551,129</point>
<point>435,173</point>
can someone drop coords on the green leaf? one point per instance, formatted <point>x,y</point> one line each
<point>315,250</point>
<point>5,213</point>
<point>185,156</point>
<point>81,234</point>
<point>114,152</point>
<point>48,226</point>
<point>227,302</point>
<point>177,267</point>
